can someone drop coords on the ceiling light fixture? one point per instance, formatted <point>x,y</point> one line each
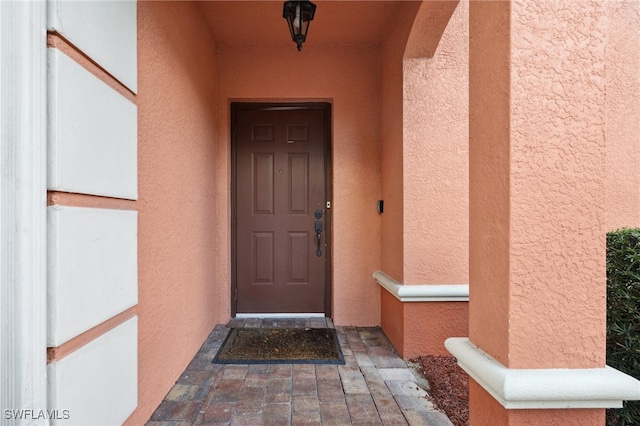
<point>298,15</point>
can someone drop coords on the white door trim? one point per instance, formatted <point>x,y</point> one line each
<point>23,191</point>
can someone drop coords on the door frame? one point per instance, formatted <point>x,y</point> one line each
<point>328,173</point>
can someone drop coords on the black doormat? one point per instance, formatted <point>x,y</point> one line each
<point>280,346</point>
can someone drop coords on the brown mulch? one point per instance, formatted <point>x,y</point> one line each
<point>448,386</point>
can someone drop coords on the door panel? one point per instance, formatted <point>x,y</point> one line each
<point>280,183</point>
<point>262,258</point>
<point>263,189</point>
<point>298,193</point>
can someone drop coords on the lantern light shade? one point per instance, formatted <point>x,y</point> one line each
<point>298,15</point>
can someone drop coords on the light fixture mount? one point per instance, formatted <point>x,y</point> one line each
<point>298,13</point>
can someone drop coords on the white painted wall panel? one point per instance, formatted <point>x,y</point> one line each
<point>93,268</point>
<point>93,133</point>
<point>98,383</point>
<point>106,31</point>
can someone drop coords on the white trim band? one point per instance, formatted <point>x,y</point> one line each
<point>544,388</point>
<point>423,292</point>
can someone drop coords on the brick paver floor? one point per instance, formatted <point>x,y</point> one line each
<point>374,387</point>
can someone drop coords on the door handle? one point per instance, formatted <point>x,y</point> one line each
<point>318,215</point>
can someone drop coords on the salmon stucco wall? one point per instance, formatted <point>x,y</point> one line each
<point>178,302</point>
<point>349,78</point>
<point>391,242</point>
<point>489,176</point>
<point>392,320</point>
<point>537,162</point>
<point>480,401</point>
<point>427,325</point>
<point>427,161</point>
<point>436,160</point>
<point>623,115</point>
<point>391,140</point>
<point>558,157</point>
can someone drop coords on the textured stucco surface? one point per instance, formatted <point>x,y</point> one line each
<point>623,114</point>
<point>391,139</point>
<point>178,301</point>
<point>436,160</point>
<point>489,177</point>
<point>538,163</point>
<point>577,417</point>
<point>392,131</point>
<point>557,291</point>
<point>428,27</point>
<point>349,78</point>
<point>427,325</point>
<point>485,410</point>
<point>391,242</point>
<point>392,320</point>
<point>425,172</point>
<point>425,143</point>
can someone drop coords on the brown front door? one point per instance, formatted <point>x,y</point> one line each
<point>280,210</point>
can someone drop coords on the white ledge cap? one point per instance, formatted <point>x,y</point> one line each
<point>423,292</point>
<point>544,388</point>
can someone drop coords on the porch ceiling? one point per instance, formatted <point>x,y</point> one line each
<point>260,23</point>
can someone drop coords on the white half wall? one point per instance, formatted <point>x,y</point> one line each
<point>98,383</point>
<point>93,133</point>
<point>105,31</point>
<point>93,268</point>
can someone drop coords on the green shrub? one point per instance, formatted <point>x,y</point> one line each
<point>623,315</point>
